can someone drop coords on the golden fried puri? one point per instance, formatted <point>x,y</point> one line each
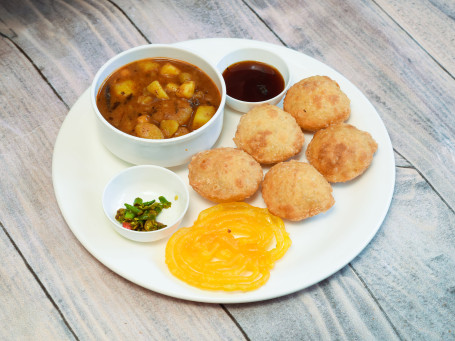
<point>224,174</point>
<point>295,190</point>
<point>317,102</point>
<point>269,134</point>
<point>341,152</point>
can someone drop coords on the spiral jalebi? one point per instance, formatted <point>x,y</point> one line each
<point>230,247</point>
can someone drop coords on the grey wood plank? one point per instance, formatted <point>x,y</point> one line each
<point>25,306</point>
<point>410,264</point>
<point>95,302</point>
<point>68,41</point>
<point>170,21</point>
<point>339,308</point>
<point>400,161</point>
<point>430,23</point>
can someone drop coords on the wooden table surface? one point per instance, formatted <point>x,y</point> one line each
<point>401,54</point>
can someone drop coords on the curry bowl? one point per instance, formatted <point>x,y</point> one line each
<point>265,69</point>
<point>131,146</point>
<point>148,183</point>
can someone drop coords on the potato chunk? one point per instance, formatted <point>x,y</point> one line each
<point>169,127</point>
<point>184,77</point>
<point>148,131</point>
<point>169,70</point>
<point>148,65</point>
<point>171,87</point>
<point>186,90</point>
<point>203,114</point>
<point>144,118</point>
<point>125,73</point>
<point>156,89</point>
<point>124,89</point>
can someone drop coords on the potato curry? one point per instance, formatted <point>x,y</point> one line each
<point>158,98</point>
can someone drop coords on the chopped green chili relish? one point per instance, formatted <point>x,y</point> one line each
<point>141,216</point>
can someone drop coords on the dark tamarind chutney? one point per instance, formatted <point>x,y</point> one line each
<point>253,81</point>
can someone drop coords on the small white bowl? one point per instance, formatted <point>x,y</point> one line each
<point>147,182</point>
<point>260,55</point>
<point>165,152</point>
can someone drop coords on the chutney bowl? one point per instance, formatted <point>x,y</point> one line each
<point>263,55</point>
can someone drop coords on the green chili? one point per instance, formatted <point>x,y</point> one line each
<point>129,215</point>
<point>141,216</point>
<point>148,203</point>
<point>133,209</point>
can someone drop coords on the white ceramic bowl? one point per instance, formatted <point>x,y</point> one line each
<point>263,55</point>
<point>147,182</point>
<point>167,152</point>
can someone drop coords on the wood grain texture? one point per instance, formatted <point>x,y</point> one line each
<point>410,264</point>
<point>29,310</point>
<point>167,22</point>
<point>401,162</point>
<point>89,295</point>
<point>68,41</point>
<point>430,23</point>
<point>339,308</point>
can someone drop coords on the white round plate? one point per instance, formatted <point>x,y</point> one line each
<point>321,245</point>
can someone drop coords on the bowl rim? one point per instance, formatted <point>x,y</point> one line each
<point>160,168</point>
<point>189,136</point>
<point>287,80</point>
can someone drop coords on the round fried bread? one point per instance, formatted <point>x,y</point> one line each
<point>341,152</point>
<point>317,102</point>
<point>295,190</point>
<point>269,134</point>
<point>224,174</point>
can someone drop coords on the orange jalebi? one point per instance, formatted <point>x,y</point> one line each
<point>231,246</point>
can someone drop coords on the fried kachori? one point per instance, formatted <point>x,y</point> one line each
<point>224,174</point>
<point>295,190</point>
<point>317,102</point>
<point>341,152</point>
<point>269,134</point>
